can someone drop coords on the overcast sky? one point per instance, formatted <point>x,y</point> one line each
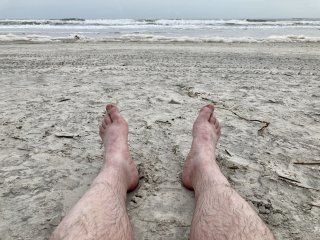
<point>138,9</point>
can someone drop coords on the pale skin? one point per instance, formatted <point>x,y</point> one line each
<point>220,212</point>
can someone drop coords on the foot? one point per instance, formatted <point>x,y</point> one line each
<point>114,135</point>
<point>201,158</point>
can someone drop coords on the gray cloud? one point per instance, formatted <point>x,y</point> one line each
<point>160,9</point>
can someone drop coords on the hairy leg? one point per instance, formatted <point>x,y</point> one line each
<point>101,213</point>
<point>220,213</point>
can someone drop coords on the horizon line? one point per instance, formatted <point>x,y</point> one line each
<point>155,19</point>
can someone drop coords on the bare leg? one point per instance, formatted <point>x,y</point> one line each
<point>101,213</point>
<point>220,212</point>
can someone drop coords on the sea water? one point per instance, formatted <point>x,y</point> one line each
<point>181,30</point>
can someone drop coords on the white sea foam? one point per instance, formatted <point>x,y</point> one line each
<point>156,38</point>
<point>162,30</point>
<point>28,38</point>
<point>164,22</point>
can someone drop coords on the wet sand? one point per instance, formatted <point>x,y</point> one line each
<point>53,96</point>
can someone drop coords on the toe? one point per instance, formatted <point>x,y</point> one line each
<point>213,119</point>
<point>206,112</point>
<point>219,129</point>
<point>114,113</point>
<point>101,129</point>
<point>107,119</point>
<point>217,124</point>
<point>103,125</point>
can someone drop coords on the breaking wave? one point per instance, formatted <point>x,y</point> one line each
<point>160,30</point>
<point>163,22</point>
<point>155,38</point>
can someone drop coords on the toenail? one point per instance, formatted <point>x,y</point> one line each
<point>211,106</point>
<point>109,107</point>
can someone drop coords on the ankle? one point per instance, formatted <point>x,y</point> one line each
<point>207,175</point>
<point>115,177</point>
<point>204,142</point>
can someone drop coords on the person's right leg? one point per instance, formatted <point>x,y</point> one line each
<point>101,213</point>
<point>220,212</point>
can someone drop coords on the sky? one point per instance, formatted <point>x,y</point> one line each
<point>156,9</point>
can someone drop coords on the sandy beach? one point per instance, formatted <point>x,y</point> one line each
<point>52,98</point>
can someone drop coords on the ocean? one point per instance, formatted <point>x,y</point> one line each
<point>161,30</point>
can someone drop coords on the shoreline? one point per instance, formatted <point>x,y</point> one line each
<point>76,39</point>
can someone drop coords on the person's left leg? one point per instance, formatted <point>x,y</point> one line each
<point>101,213</point>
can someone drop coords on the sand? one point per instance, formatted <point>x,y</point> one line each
<point>52,98</point>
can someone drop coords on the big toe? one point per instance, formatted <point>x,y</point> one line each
<point>206,112</point>
<point>114,113</point>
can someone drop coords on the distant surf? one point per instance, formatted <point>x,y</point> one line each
<point>164,22</point>
<point>162,30</point>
